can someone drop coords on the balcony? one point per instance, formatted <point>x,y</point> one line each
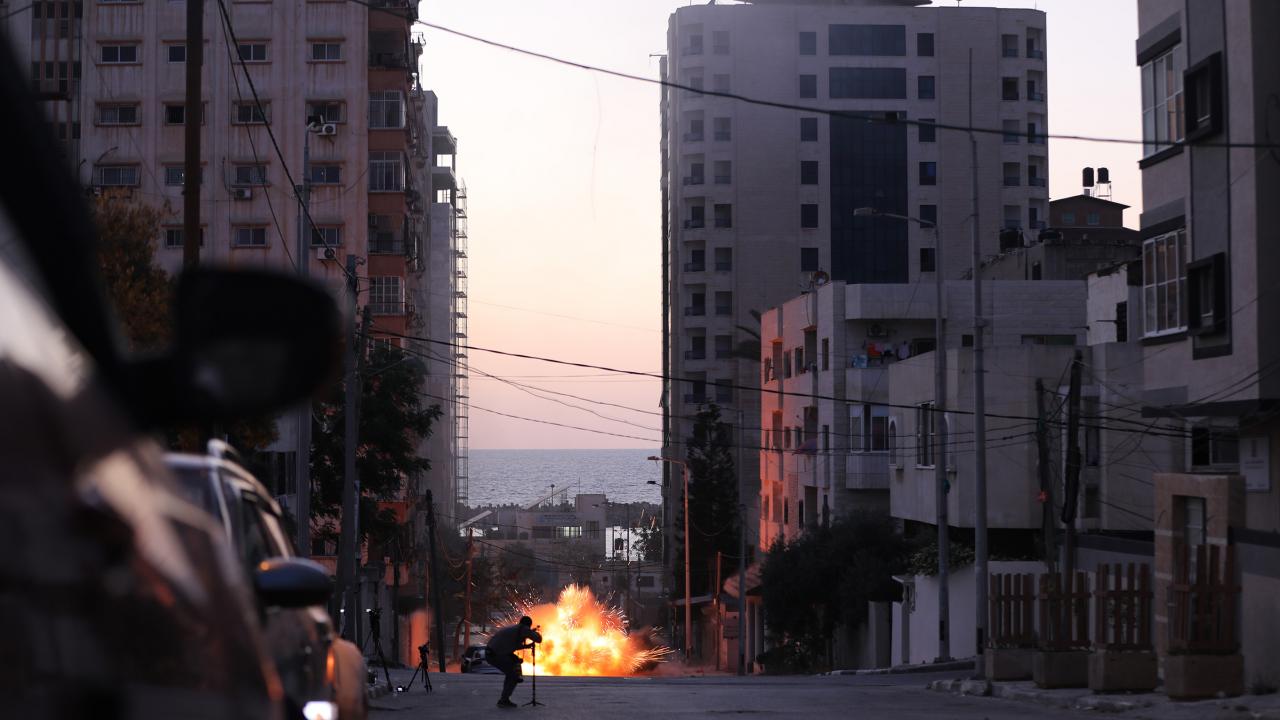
<point>1036,182</point>
<point>1011,52</point>
<point>695,354</point>
<point>385,243</point>
<point>691,267</point>
<point>1035,95</point>
<point>390,60</point>
<point>694,224</point>
<point>867,471</point>
<point>1035,54</point>
<point>693,137</point>
<point>388,308</point>
<point>695,311</point>
<point>443,178</point>
<point>442,141</point>
<point>695,180</point>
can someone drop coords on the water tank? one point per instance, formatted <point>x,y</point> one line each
<point>1104,176</point>
<point>1088,177</point>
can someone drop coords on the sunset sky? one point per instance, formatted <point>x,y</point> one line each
<point>562,171</point>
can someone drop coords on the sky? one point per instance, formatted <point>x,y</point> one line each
<point>562,169</point>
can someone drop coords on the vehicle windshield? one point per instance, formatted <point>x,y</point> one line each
<point>195,486</point>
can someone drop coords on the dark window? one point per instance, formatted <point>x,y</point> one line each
<point>1009,88</point>
<point>724,259</point>
<point>1214,446</point>
<point>928,173</point>
<point>808,259</point>
<point>867,40</point>
<point>927,260</point>
<point>808,86</point>
<point>724,346</point>
<point>1035,271</point>
<point>175,114</point>
<point>808,172</point>
<point>966,340</point>
<point>1206,296</point>
<point>826,361</point>
<point>929,214</point>
<point>1009,46</point>
<point>925,87</point>
<point>809,215</point>
<point>808,43</point>
<point>1122,322</point>
<point>868,168</point>
<point>808,129</point>
<point>1203,97</point>
<point>723,215</point>
<point>697,261</point>
<point>720,42</point>
<point>868,83</point>
<point>722,129</point>
<point>924,44</point>
<point>724,303</point>
<point>928,133</point>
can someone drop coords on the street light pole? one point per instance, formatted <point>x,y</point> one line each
<point>688,607</point>
<point>940,431</point>
<point>302,456</point>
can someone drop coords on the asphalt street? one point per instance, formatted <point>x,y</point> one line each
<point>900,697</point>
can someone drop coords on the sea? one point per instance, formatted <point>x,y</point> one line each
<point>500,477</point>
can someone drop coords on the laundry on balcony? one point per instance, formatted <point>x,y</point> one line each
<point>880,353</point>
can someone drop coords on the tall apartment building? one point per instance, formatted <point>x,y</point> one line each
<point>756,199</point>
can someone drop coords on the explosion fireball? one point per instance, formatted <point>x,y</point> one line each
<point>583,636</point>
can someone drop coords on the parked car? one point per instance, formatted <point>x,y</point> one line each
<point>316,673</point>
<point>118,599</point>
<point>474,660</point>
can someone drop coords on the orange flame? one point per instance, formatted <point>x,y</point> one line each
<point>583,636</point>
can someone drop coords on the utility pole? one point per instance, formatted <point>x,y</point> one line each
<point>1046,485</point>
<point>742,560</point>
<point>302,454</point>
<point>1071,490</point>
<point>466,602</point>
<point>938,418</point>
<point>979,405</point>
<point>349,541</point>
<point>192,116</point>
<point>435,579</point>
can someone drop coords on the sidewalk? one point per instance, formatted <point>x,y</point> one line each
<point>1144,706</point>
<point>952,666</point>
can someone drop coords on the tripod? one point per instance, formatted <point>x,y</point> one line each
<point>375,633</point>
<point>534,701</point>
<point>424,664</point>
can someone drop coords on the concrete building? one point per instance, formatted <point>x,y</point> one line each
<point>756,200</point>
<point>1084,233</point>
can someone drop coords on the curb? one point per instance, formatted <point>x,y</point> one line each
<point>908,669</point>
<point>1085,700</point>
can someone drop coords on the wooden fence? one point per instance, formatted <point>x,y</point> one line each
<point>1203,600</point>
<point>1122,607</point>
<point>1012,606</point>
<point>1064,612</point>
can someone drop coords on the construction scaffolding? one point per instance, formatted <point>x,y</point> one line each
<point>461,402</point>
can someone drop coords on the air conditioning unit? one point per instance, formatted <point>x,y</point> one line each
<point>242,193</point>
<point>326,254</point>
<point>329,129</point>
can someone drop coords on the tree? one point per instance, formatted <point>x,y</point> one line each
<point>713,500</point>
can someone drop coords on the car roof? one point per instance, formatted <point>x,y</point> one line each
<point>243,479</point>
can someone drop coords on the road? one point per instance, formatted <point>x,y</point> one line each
<point>900,697</point>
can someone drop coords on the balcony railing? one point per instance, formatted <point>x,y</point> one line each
<point>1036,182</point>
<point>724,223</point>
<point>1035,95</point>
<point>1035,54</point>
<point>694,267</point>
<point>694,224</point>
<point>867,471</point>
<point>694,180</point>
<point>695,311</point>
<point>695,354</point>
<point>385,244</point>
<point>1011,52</point>
<point>398,60</point>
<point>723,179</point>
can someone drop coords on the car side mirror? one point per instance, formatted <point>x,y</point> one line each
<point>291,583</point>
<point>246,343</point>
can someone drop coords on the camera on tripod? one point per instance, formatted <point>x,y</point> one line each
<point>424,653</point>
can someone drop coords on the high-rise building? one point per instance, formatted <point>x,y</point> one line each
<point>759,200</point>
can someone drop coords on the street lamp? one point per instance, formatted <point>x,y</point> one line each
<point>688,611</point>
<point>940,394</point>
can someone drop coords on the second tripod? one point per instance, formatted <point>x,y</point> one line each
<point>424,666</point>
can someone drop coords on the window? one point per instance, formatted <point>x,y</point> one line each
<point>174,237</point>
<point>695,129</point>
<point>327,111</point>
<point>724,346</point>
<point>724,259</point>
<point>249,236</point>
<point>1204,97</point>
<point>826,353</point>
<point>799,364</point>
<point>720,42</point>
<point>176,175</point>
<point>808,129</point>
<point>1162,109</point>
<point>1012,174</point>
<point>118,114</point>
<point>925,429</point>
<point>924,44</point>
<point>928,133</point>
<point>386,109</point>
<point>694,85</point>
<point>724,303</point>
<point>695,44</point>
<point>881,40</point>
<point>1207,295</point>
<point>175,114</point>
<point>720,83</point>
<point>386,295</point>
<point>326,236</point>
<point>809,215</point>
<point>253,51</point>
<point>326,174</point>
<point>176,52</point>
<point>808,43</point>
<point>1036,271</point>
<point>1214,446</point>
<point>248,113</point>
<point>723,214</point>
<point>119,54</point>
<point>808,86</point>
<point>1092,219</point>
<point>868,83</point>
<point>925,87</point>
<point>1009,46</point>
<point>1122,322</point>
<point>929,173</point>
<point>722,129</point>
<point>1009,89</point>
<point>808,172</point>
<point>697,261</point>
<point>326,51</point>
<point>808,259</point>
<point>386,171</point>
<point>1068,219</point>
<point>723,172</point>
<point>928,262</point>
<point>1164,283</point>
<point>1010,128</point>
<point>929,214</point>
<point>245,175</point>
<point>118,175</point>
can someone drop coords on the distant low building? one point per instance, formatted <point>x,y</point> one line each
<point>1084,233</point>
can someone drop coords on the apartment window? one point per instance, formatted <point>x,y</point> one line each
<point>1033,218</point>
<point>175,114</point>
<point>694,85</point>
<point>724,259</point>
<point>809,215</point>
<point>928,260</point>
<point>724,390</point>
<point>1009,89</point>
<point>929,214</point>
<point>326,174</point>
<point>873,40</point>
<point>176,175</point>
<point>826,353</point>
<point>386,295</point>
<point>1010,128</point>
<point>697,261</point>
<point>1009,46</point>
<point>723,214</point>
<point>386,171</point>
<point>808,43</point>
<point>800,366</point>
<point>928,133</point>
<point>1214,446</point>
<point>724,347</point>
<point>1036,272</point>
<point>720,42</point>
<point>809,129</point>
<point>724,303</point>
<point>697,348</point>
<point>250,113</point>
<point>720,83</point>
<point>249,236</point>
<point>174,237</point>
<point>1164,283</point>
<point>723,172</point>
<point>327,111</point>
<point>119,54</point>
<point>386,109</point>
<point>1204,97</point>
<point>809,259</point>
<point>695,45</point>
<point>1092,219</point>
<point>808,172</point>
<point>117,175</point>
<point>926,427</point>
<point>868,83</point>
<point>1068,219</point>
<point>1207,295</point>
<point>697,217</point>
<point>326,51</point>
<point>1162,102</point>
<point>926,87</point>
<point>326,236</point>
<point>697,304</point>
<point>1034,135</point>
<point>248,175</point>
<point>1012,174</point>
<point>118,114</point>
<point>176,52</point>
<point>697,174</point>
<point>808,86</point>
<point>924,44</point>
<point>929,173</point>
<point>722,127</point>
<point>253,51</point>
<point>695,129</point>
<point>1012,218</point>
